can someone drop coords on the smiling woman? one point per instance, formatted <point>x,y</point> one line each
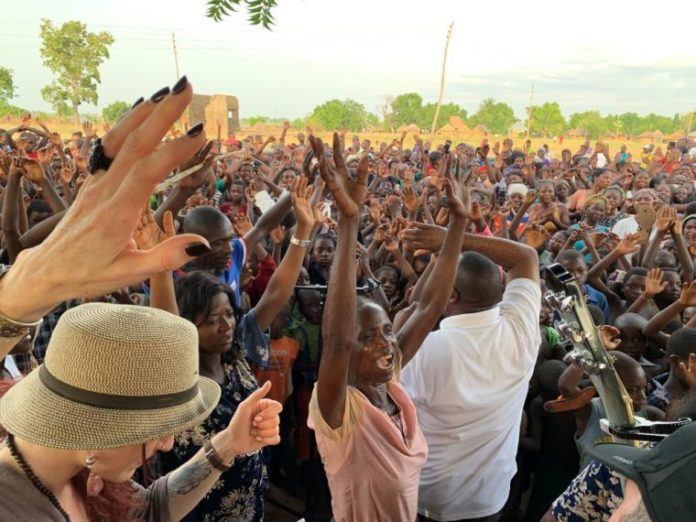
<point>362,416</point>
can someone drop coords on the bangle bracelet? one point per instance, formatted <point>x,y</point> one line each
<point>213,457</point>
<point>302,243</point>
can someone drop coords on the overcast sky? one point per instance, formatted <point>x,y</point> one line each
<point>609,55</point>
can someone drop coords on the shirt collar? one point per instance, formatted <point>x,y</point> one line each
<point>473,319</point>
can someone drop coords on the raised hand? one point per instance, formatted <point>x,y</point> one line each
<point>688,295</point>
<point>148,234</point>
<point>55,139</point>
<point>301,194</point>
<point>256,422</point>
<point>687,371</point>
<point>664,220</point>
<point>629,244</point>
<point>241,224</point>
<point>348,193</point>
<point>91,252</point>
<point>653,283</point>
<point>409,197</point>
<point>33,171</point>
<point>609,336</point>
<point>196,179</point>
<point>88,129</point>
<point>530,197</point>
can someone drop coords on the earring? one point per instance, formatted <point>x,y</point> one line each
<point>95,484</point>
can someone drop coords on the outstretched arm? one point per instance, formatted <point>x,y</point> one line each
<point>282,282</point>
<point>340,314</point>
<point>436,294</point>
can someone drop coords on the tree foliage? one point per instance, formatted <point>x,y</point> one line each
<point>547,119</point>
<point>342,114</point>
<point>408,108</point>
<point>113,112</point>
<point>7,86</point>
<point>497,116</point>
<point>74,55</point>
<point>260,11</point>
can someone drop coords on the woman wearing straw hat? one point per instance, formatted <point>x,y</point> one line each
<point>118,381</point>
<point>104,401</point>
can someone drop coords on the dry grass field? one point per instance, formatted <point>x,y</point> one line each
<point>66,126</point>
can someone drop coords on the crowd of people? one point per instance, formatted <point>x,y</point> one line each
<point>185,322</point>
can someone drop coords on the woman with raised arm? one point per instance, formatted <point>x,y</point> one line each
<point>365,423</point>
<point>229,344</point>
<point>118,381</point>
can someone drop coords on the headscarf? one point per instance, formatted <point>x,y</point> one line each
<point>517,188</point>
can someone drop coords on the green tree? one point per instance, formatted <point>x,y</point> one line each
<point>7,87</point>
<point>260,11</point>
<point>74,55</point>
<point>406,109</point>
<point>547,119</point>
<point>497,116</point>
<point>590,121</point>
<point>631,122</point>
<point>342,114</point>
<point>656,122</point>
<point>426,114</point>
<point>113,112</point>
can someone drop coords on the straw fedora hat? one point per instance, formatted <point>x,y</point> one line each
<point>114,375</point>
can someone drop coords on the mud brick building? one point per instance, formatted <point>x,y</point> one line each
<point>213,110</point>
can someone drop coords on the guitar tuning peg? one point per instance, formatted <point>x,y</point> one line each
<point>553,300</point>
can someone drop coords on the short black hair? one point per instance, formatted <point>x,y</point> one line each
<point>682,342</point>
<point>479,279</point>
<point>633,271</point>
<point>202,218</point>
<point>569,255</point>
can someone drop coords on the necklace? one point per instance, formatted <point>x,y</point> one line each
<point>32,477</point>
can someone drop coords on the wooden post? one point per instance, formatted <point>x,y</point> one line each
<point>442,81</point>
<point>529,110</point>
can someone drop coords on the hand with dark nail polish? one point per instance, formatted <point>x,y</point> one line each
<point>159,95</point>
<point>138,102</point>
<point>180,85</point>
<point>195,130</point>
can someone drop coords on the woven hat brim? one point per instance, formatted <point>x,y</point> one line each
<point>32,412</point>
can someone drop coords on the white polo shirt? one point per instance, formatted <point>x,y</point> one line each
<point>469,382</point>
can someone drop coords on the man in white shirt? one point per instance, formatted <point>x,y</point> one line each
<point>469,381</point>
<point>629,225</point>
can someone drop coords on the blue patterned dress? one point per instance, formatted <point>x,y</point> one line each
<point>239,493</point>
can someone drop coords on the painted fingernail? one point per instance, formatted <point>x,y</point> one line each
<point>197,249</point>
<point>180,85</point>
<point>138,102</point>
<point>195,130</point>
<point>159,95</point>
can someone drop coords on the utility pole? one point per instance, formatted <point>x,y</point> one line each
<point>442,81</point>
<point>176,57</point>
<point>529,109</point>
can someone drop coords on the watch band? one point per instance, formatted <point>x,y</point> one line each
<point>302,243</point>
<point>213,457</point>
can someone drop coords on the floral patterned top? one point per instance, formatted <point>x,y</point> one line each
<point>592,496</point>
<point>238,495</point>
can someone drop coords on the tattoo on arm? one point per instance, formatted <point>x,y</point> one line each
<point>186,479</point>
